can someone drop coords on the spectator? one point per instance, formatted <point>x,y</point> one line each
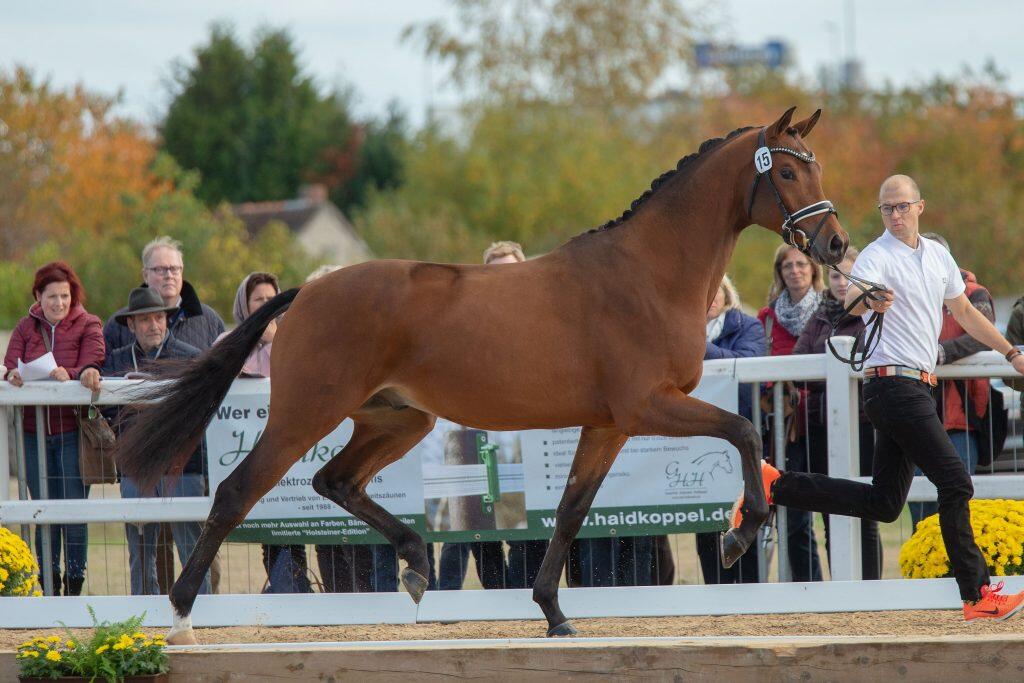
<point>58,322</point>
<point>793,299</point>
<point>954,344</point>
<point>195,323</point>
<point>285,564</point>
<point>832,314</point>
<point>730,334</point>
<point>356,568</point>
<point>1015,325</point>
<point>146,317</point>
<point>163,269</point>
<point>524,557</point>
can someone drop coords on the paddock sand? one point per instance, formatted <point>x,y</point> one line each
<point>910,623</point>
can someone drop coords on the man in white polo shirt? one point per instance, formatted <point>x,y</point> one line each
<point>921,276</point>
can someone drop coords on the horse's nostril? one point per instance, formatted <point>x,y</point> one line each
<point>837,245</point>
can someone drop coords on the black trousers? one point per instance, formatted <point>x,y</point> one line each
<point>908,432</point>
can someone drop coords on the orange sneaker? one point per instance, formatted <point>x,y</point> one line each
<point>992,605</point>
<point>768,475</point>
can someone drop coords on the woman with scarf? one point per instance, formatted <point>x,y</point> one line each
<point>832,315</point>
<point>286,565</point>
<point>792,301</point>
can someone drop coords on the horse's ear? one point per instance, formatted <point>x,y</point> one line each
<point>804,127</point>
<point>780,126</point>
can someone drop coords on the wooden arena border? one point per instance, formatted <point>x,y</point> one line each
<point>883,658</point>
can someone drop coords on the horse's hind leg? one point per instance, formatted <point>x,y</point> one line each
<point>673,413</point>
<point>594,457</point>
<point>381,436</point>
<point>291,430</point>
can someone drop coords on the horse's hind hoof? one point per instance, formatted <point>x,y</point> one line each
<point>732,549</point>
<point>563,630</point>
<point>415,584</point>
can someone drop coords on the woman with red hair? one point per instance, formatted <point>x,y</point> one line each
<point>58,322</point>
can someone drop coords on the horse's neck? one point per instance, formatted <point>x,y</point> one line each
<point>685,233</point>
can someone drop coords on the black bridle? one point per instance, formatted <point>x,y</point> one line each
<point>790,234</point>
<point>790,231</point>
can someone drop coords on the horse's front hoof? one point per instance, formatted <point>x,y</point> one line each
<point>563,630</point>
<point>415,584</point>
<point>732,548</point>
<point>182,637</point>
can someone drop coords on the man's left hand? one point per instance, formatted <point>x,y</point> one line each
<point>1018,363</point>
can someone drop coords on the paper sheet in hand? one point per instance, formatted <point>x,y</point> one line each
<point>40,368</point>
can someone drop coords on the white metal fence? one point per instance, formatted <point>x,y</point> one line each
<point>842,420</point>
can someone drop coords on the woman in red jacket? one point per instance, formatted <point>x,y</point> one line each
<point>58,322</point>
<point>792,301</point>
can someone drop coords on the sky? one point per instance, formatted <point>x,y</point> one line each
<point>127,47</point>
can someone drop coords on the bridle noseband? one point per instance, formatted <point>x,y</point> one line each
<point>790,232</point>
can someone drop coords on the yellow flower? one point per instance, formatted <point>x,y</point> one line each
<point>101,649</point>
<point>53,639</point>
<point>53,656</point>
<point>119,646</point>
<point>70,643</point>
<point>31,653</point>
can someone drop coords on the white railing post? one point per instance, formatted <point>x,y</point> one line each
<point>843,457</point>
<point>5,452</point>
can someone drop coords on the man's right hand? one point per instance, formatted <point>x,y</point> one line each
<point>15,378</point>
<point>882,302</point>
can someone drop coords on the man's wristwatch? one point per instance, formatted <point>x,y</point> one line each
<point>1012,353</point>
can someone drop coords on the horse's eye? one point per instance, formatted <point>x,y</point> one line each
<point>788,174</point>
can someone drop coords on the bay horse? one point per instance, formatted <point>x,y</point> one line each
<point>605,332</point>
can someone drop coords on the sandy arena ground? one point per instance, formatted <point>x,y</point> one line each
<point>924,623</point>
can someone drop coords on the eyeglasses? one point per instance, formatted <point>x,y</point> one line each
<point>165,270</point>
<point>902,207</point>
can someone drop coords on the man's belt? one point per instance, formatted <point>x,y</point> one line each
<point>901,371</point>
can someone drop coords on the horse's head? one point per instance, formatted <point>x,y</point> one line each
<point>786,192</point>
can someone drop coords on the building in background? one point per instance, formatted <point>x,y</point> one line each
<point>318,225</point>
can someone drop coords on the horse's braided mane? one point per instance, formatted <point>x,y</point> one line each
<point>705,146</point>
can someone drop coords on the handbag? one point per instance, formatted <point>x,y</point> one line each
<point>991,427</point>
<point>95,439</point>
<point>96,443</point>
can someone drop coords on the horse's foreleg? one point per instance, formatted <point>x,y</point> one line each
<point>672,413</point>
<point>381,436</point>
<point>594,457</point>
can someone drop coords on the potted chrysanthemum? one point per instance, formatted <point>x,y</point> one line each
<point>998,530</point>
<point>18,569</point>
<point>120,651</point>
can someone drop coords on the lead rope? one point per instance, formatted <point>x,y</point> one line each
<point>873,327</point>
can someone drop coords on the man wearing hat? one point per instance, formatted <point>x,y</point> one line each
<point>146,319</point>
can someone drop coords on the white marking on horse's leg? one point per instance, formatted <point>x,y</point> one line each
<point>181,631</point>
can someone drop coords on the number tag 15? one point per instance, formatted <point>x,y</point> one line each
<point>762,159</point>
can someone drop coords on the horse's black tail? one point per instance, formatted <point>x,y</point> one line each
<point>163,434</point>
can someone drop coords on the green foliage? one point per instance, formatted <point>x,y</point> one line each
<point>257,127</point>
<point>113,652</point>
<point>536,174</point>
